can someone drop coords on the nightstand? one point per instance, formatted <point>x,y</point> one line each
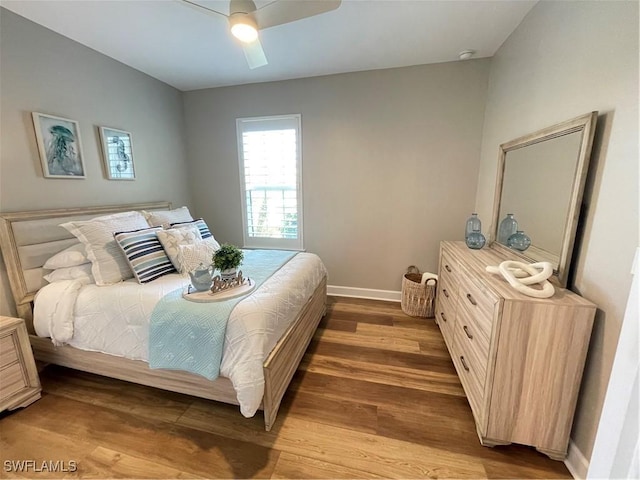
<point>19,382</point>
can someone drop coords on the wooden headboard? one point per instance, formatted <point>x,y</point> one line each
<point>29,238</point>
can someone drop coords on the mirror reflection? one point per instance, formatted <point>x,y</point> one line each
<point>536,196</point>
<point>539,186</point>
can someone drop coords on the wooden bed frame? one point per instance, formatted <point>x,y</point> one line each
<point>29,238</point>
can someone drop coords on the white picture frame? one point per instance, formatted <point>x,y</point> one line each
<point>117,154</point>
<point>59,146</point>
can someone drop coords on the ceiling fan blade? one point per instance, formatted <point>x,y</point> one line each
<point>202,8</point>
<point>285,11</point>
<point>254,54</point>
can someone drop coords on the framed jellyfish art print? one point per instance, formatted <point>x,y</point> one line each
<point>117,152</point>
<point>59,146</point>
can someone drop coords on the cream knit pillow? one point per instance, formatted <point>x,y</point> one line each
<point>173,238</point>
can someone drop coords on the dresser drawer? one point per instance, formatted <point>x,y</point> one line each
<point>479,303</point>
<point>448,293</point>
<point>471,389</point>
<point>472,373</point>
<point>446,311</point>
<point>473,335</point>
<point>449,269</point>
<point>446,322</point>
<point>8,350</point>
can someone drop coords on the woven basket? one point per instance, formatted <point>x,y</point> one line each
<point>418,300</point>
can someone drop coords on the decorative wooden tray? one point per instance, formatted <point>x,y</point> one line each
<point>207,296</point>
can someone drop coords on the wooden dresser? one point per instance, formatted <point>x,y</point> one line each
<point>19,382</point>
<point>520,359</point>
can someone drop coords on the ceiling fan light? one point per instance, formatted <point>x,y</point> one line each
<point>243,28</point>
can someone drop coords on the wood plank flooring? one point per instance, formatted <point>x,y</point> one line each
<point>376,396</point>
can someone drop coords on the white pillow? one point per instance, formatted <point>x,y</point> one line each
<point>109,265</point>
<point>164,218</point>
<point>80,272</point>
<point>191,256</point>
<point>212,241</point>
<point>69,257</point>
<point>172,238</point>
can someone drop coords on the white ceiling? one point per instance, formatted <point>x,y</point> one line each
<point>191,50</point>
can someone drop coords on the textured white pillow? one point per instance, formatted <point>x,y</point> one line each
<point>109,265</point>
<point>69,257</point>
<point>212,241</point>
<point>191,256</point>
<point>164,218</point>
<point>80,272</point>
<point>172,238</point>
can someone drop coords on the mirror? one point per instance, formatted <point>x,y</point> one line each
<point>539,189</point>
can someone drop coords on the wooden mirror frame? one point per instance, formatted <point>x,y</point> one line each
<point>584,124</point>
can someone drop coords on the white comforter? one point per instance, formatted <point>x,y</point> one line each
<point>115,319</point>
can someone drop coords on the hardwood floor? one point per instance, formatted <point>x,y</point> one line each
<point>376,396</point>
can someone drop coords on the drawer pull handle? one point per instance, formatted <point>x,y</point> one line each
<point>466,330</point>
<point>443,317</point>
<point>464,364</point>
<point>471,299</point>
<point>444,291</point>
<point>447,268</point>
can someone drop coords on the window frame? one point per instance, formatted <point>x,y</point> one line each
<point>264,242</point>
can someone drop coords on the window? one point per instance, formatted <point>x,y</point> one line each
<point>270,181</point>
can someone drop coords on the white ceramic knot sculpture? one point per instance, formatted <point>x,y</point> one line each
<point>521,275</point>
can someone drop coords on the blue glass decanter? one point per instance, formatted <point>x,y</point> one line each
<point>519,241</point>
<point>508,226</point>
<point>475,240</point>
<point>473,224</point>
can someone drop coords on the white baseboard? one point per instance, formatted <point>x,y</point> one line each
<point>576,462</point>
<point>370,293</point>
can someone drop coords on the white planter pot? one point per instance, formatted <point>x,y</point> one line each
<point>229,274</point>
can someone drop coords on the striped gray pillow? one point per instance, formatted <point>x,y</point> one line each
<point>200,223</point>
<point>145,254</point>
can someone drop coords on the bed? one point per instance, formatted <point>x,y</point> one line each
<point>29,238</point>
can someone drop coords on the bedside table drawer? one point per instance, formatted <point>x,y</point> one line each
<point>12,379</point>
<point>19,382</point>
<point>8,351</point>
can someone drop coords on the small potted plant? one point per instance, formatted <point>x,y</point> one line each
<point>227,259</point>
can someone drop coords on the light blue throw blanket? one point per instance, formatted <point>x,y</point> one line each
<point>189,336</point>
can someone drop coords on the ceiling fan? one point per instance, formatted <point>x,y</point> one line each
<point>245,20</point>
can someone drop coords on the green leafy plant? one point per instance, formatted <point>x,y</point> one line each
<point>227,256</point>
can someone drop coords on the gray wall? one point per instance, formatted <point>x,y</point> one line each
<point>390,162</point>
<point>566,59</point>
<point>46,72</point>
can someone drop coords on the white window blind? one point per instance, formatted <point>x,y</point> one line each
<point>270,173</point>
